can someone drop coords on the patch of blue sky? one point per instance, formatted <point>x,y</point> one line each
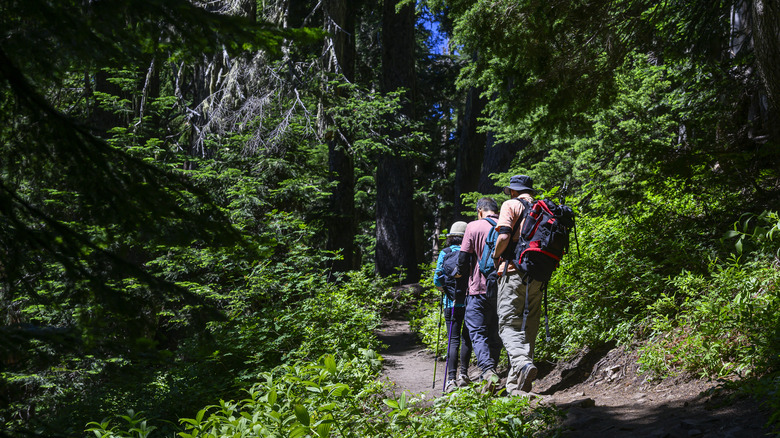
<point>438,41</point>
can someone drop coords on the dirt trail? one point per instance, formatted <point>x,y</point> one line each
<point>407,363</point>
<point>600,392</point>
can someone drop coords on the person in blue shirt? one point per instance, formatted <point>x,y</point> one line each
<point>459,347</point>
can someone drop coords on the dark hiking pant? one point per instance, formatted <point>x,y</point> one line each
<point>482,322</point>
<point>459,347</point>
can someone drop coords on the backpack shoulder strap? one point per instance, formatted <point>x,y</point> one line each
<point>526,209</point>
<point>516,228</point>
<point>525,203</point>
<point>490,220</point>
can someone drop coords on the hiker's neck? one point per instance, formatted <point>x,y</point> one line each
<point>481,214</point>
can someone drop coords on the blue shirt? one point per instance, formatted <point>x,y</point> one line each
<point>437,280</point>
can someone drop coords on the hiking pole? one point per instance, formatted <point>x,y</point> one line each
<point>546,320</point>
<point>562,194</point>
<point>438,333</point>
<point>574,228</point>
<point>449,341</point>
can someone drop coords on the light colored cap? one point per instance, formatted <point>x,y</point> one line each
<point>457,229</point>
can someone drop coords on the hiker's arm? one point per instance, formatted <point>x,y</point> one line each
<point>464,264</point>
<point>502,241</point>
<point>437,281</point>
<point>505,225</point>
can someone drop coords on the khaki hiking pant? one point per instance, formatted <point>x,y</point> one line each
<point>518,340</point>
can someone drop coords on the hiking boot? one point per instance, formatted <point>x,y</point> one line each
<point>490,382</point>
<point>451,385</point>
<point>463,380</point>
<point>527,376</point>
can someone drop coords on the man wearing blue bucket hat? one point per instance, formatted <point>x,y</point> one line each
<point>518,323</point>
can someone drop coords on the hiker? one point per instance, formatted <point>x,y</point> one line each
<point>517,331</point>
<point>480,306</point>
<point>459,342</point>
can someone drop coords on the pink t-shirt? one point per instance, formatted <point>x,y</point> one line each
<point>473,242</point>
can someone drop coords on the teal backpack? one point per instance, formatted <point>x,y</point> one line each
<point>486,265</point>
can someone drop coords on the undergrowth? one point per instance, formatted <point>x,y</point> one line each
<point>343,398</point>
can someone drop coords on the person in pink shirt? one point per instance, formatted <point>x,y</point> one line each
<point>480,317</point>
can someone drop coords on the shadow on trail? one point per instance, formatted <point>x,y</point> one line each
<point>602,394</point>
<point>579,370</point>
<point>398,342</point>
<point>696,416</point>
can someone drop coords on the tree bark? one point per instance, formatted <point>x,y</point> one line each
<point>102,120</point>
<point>339,16</point>
<point>766,41</point>
<point>471,153</point>
<point>395,244</point>
<point>498,159</point>
<point>395,219</point>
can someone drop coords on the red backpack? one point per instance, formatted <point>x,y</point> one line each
<point>544,238</point>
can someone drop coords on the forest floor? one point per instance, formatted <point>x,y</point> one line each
<point>600,393</point>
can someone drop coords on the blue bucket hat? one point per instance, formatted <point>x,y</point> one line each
<point>520,183</point>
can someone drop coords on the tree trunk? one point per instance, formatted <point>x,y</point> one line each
<point>339,16</point>
<point>103,120</point>
<point>470,153</point>
<point>395,244</point>
<point>498,159</point>
<point>766,40</point>
<point>395,219</point>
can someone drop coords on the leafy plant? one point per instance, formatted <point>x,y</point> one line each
<point>341,398</point>
<point>759,231</point>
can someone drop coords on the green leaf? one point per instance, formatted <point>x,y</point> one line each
<point>302,415</point>
<point>323,429</point>
<point>402,401</point>
<point>313,387</point>
<point>272,396</point>
<point>731,233</point>
<point>299,431</point>
<point>330,363</point>
<point>275,416</point>
<point>339,390</point>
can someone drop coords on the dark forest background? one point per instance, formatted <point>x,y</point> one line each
<point>199,196</point>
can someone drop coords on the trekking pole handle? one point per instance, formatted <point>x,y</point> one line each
<point>563,193</point>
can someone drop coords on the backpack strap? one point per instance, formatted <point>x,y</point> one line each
<point>446,251</point>
<point>493,223</point>
<point>526,310</point>
<point>517,227</point>
<point>546,320</point>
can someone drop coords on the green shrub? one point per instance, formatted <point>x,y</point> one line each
<point>342,398</point>
<point>729,319</point>
<point>468,413</point>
